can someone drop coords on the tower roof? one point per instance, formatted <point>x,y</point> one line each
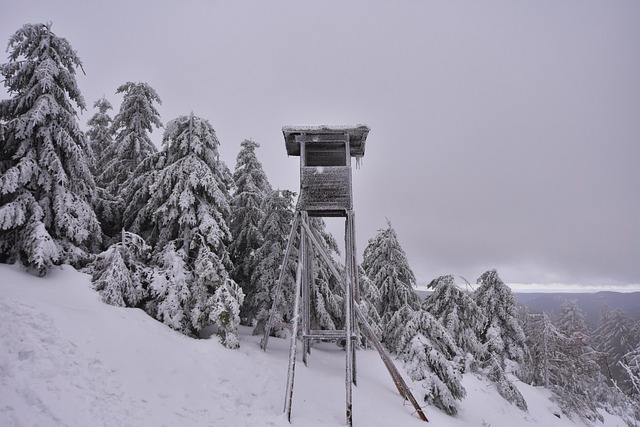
<point>326,133</point>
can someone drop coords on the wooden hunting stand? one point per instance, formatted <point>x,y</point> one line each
<point>326,191</point>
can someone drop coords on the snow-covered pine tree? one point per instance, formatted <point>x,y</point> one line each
<point>430,355</point>
<point>327,303</point>
<point>564,364</point>
<point>131,127</point>
<point>251,187</point>
<point>572,319</point>
<point>169,289</point>
<point>369,300</point>
<point>614,338</point>
<point>459,314</point>
<point>188,205</point>
<point>275,227</point>
<point>121,274</point>
<point>577,383</point>
<point>630,363</point>
<point>225,312</point>
<point>502,335</point>
<point>100,135</point>
<point>46,185</point>
<point>100,132</point>
<point>385,263</point>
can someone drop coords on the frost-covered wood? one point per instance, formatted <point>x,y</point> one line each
<point>325,188</point>
<point>402,387</point>
<point>326,191</point>
<point>357,136</point>
<point>325,165</point>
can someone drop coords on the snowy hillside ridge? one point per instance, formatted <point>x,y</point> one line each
<point>68,359</point>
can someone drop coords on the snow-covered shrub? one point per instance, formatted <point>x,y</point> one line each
<point>169,289</point>
<point>505,386</point>
<point>121,273</point>
<point>430,354</point>
<point>225,312</point>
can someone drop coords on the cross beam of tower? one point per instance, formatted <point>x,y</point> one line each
<point>326,191</point>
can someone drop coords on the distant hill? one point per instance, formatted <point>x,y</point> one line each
<point>590,303</point>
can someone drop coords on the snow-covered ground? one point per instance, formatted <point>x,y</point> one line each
<point>67,359</point>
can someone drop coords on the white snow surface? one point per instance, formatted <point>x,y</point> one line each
<point>67,359</point>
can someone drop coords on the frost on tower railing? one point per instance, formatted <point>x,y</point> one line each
<point>326,191</point>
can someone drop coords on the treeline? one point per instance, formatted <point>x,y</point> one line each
<point>176,233</point>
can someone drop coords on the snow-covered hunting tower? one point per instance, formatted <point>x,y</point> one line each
<point>326,191</point>
<point>325,165</point>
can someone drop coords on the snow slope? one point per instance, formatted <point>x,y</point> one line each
<point>67,359</point>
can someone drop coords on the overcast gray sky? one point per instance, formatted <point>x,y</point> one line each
<point>504,134</point>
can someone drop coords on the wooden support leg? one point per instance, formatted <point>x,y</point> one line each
<point>307,277</point>
<point>351,266</point>
<point>348,305</point>
<point>402,387</point>
<point>348,315</point>
<point>293,348</point>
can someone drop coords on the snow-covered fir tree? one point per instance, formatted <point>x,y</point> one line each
<point>430,354</point>
<point>327,303</point>
<point>121,274</point>
<point>46,185</point>
<point>250,189</point>
<point>100,131</point>
<point>578,383</point>
<point>180,197</point>
<point>565,364</point>
<point>630,364</point>
<point>459,314</point>
<point>275,227</point>
<point>169,289</point>
<point>100,135</point>
<point>225,312</point>
<point>385,263</point>
<point>131,127</point>
<point>614,338</point>
<point>502,335</point>
<point>369,300</point>
<point>572,319</point>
